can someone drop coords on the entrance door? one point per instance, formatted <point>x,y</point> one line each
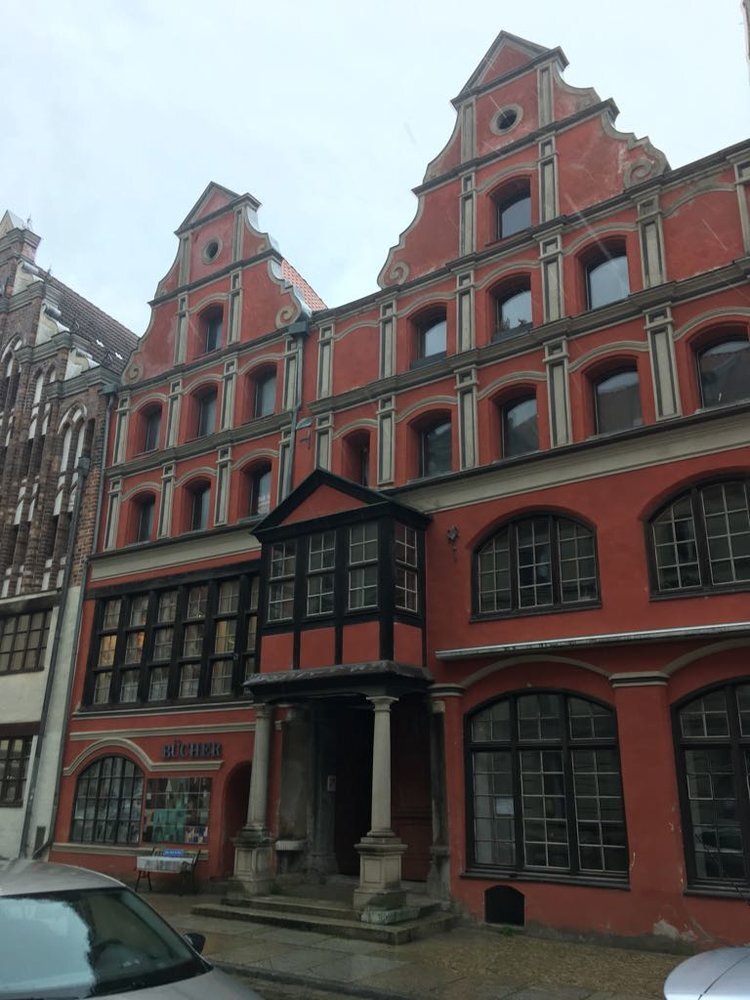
<point>354,727</point>
<point>410,784</point>
<point>236,795</point>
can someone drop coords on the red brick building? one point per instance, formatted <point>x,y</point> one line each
<point>478,545</point>
<point>58,355</point>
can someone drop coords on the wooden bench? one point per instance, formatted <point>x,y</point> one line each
<point>168,861</point>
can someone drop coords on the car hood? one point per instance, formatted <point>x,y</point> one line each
<point>723,974</point>
<point>214,985</point>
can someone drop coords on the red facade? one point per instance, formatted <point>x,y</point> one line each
<point>503,501</point>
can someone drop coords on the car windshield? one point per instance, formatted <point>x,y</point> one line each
<point>87,942</point>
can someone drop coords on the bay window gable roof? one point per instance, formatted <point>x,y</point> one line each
<point>324,495</point>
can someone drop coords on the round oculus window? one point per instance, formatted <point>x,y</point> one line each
<point>211,250</point>
<point>506,119</point>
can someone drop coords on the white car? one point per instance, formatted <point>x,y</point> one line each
<point>68,933</point>
<point>723,974</point>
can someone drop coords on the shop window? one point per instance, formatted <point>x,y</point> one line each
<point>176,810</point>
<point>107,809</point>
<point>536,563</point>
<point>701,539</point>
<point>200,499</point>
<point>617,402</point>
<point>513,208</point>
<point>606,269</point>
<point>205,413</point>
<point>435,449</point>
<point>264,394</point>
<point>724,372</point>
<point>431,332</point>
<point>185,641</point>
<point>281,582</point>
<point>144,509</point>
<point>15,753</point>
<point>713,735</point>
<point>519,427</point>
<point>151,428</point>
<point>212,327</point>
<point>259,491</point>
<point>546,792</point>
<point>23,641</point>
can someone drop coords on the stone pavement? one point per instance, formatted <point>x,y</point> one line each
<point>468,963</point>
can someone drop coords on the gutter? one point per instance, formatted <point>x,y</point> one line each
<point>605,639</point>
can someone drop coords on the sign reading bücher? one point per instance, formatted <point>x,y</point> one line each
<point>179,750</point>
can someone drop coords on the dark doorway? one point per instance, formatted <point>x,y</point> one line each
<point>236,795</point>
<point>354,727</point>
<point>410,784</point>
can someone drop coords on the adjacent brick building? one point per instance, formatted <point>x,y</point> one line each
<point>58,356</point>
<point>478,545</point>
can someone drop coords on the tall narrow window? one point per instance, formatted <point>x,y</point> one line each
<point>513,313</point>
<point>513,209</point>
<point>607,276</point>
<point>713,731</point>
<point>618,402</point>
<point>225,638</point>
<point>212,323</point>
<point>724,372</point>
<point>546,792</point>
<point>145,519</point>
<point>259,490</point>
<point>431,332</point>
<point>356,455</point>
<point>520,432</point>
<point>151,429</point>
<point>251,628</point>
<point>265,394</point>
<point>435,449</point>
<point>363,566</point>
<point>15,752</point>
<point>406,568</point>
<point>321,558</point>
<point>193,632</point>
<point>206,417</point>
<point>200,497</point>
<point>281,582</point>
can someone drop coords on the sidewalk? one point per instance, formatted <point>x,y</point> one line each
<point>467,963</point>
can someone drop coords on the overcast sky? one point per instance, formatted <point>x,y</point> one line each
<point>117,113</point>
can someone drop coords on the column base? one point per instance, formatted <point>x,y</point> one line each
<point>253,863</point>
<point>379,873</point>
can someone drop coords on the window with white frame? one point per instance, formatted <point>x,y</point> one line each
<point>321,560</point>
<point>281,581</point>
<point>363,566</point>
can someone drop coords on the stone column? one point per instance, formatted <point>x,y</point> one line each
<point>252,846</point>
<point>379,893</point>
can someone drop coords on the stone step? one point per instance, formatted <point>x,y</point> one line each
<point>410,930</point>
<point>335,909</point>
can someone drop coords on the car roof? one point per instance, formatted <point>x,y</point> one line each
<point>23,876</point>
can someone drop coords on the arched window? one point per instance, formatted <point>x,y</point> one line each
<point>200,500</point>
<point>546,792</point>
<point>264,393</point>
<point>538,562</point>
<point>150,428</point>
<point>435,449</point>
<point>606,271</point>
<point>357,457</point>
<point>702,538</point>
<point>107,809</point>
<point>713,733</point>
<point>431,331</point>
<point>724,372</point>
<point>212,328</point>
<point>259,490</point>
<point>513,207</point>
<point>205,422</point>
<point>512,308</point>
<point>617,402</point>
<point>145,506</point>
<point>519,427</point>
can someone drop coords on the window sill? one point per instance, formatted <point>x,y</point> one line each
<point>681,595</point>
<point>429,360</point>
<point>511,332</point>
<point>589,881</point>
<point>11,805</point>
<point>741,894</point>
<point>556,609</point>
